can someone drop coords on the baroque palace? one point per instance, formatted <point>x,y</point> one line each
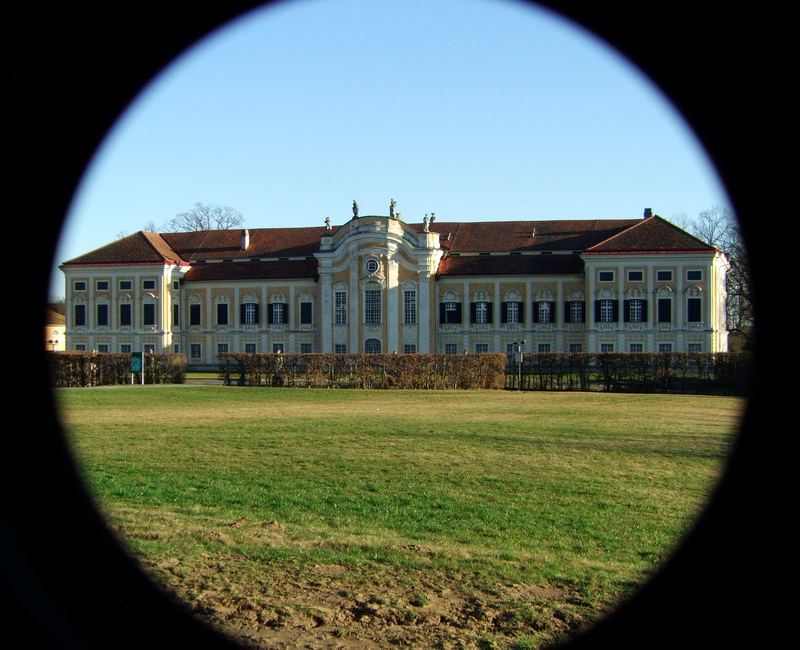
<point>379,284</point>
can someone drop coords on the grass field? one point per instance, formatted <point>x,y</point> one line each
<point>363,519</point>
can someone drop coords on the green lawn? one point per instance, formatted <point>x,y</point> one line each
<point>488,519</point>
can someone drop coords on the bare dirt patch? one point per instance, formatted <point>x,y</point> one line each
<point>333,606</point>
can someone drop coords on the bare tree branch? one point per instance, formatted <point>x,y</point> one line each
<point>206,217</point>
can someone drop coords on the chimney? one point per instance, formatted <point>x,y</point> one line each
<point>648,212</point>
<point>245,239</point>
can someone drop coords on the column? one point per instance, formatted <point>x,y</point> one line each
<point>424,312</point>
<point>326,312</point>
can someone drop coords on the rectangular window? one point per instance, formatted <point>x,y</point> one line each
<point>278,311</point>
<point>511,348</point>
<point>636,311</point>
<point>149,314</point>
<point>409,307</point>
<point>80,347</point>
<point>576,311</point>
<point>372,307</point>
<point>79,285</point>
<point>277,348</point>
<point>125,315</point>
<point>340,308</point>
<point>176,285</point>
<point>694,311</point>
<point>195,351</point>
<point>694,347</point>
<point>102,316</point>
<point>125,348</point>
<point>450,348</point>
<point>250,348</point>
<point>148,285</point>
<point>306,313</point>
<point>249,313</point>
<point>194,314</point>
<point>635,276</point>
<point>176,348</point>
<point>665,347</point>
<point>607,311</point>
<point>605,276</point>
<point>101,285</point>
<point>694,276</point>
<point>545,312</point>
<point>512,312</point>
<point>450,313</point>
<point>306,348</point>
<point>664,276</point>
<point>409,348</point>
<point>149,348</point>
<point>176,315</point>
<point>543,348</point>
<point>102,347</point>
<point>340,348</point>
<point>635,348</point>
<point>481,310</point>
<point>222,348</point>
<point>665,310</point>
<point>80,315</point>
<point>125,285</point>
<point>606,347</point>
<point>575,348</point>
<point>481,348</point>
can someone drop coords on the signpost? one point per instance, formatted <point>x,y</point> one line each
<point>137,365</point>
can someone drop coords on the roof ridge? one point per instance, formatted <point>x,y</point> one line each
<point>621,232</point>
<point>147,234</point>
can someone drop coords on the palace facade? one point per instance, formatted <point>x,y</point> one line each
<point>379,284</point>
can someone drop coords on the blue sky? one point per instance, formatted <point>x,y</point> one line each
<point>473,109</point>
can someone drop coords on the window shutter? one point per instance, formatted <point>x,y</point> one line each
<point>552,311</point>
<point>615,310</point>
<point>270,315</point>
<point>458,312</point>
<point>241,315</point>
<point>286,313</point>
<point>626,310</point>
<point>567,312</point>
<point>488,312</point>
<point>596,311</point>
<point>644,311</point>
<point>442,314</point>
<point>535,312</point>
<point>504,312</point>
<point>473,308</point>
<point>521,312</point>
<point>305,313</point>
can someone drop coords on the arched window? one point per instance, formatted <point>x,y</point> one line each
<point>372,346</point>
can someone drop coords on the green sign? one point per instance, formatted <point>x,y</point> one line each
<point>136,362</point>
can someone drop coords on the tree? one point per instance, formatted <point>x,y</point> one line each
<point>718,227</point>
<point>206,217</point>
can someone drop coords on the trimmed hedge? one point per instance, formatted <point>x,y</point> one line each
<point>725,373</point>
<point>108,368</point>
<point>406,371</point>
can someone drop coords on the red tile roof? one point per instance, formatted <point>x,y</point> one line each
<point>139,248</point>
<point>278,269</point>
<point>511,265</point>
<point>500,236</point>
<point>653,234</point>
<point>264,242</point>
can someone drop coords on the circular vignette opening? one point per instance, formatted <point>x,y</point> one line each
<point>66,583</point>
